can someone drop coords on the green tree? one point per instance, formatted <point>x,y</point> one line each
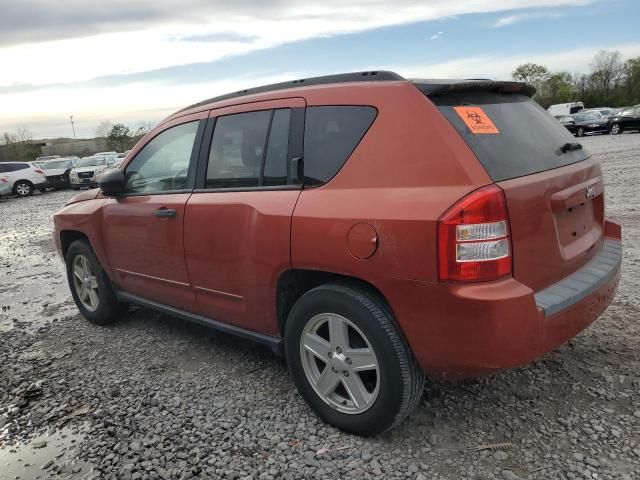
<point>531,73</point>
<point>607,69</point>
<point>119,137</point>
<point>630,93</point>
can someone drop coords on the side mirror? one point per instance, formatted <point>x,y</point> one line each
<point>112,183</point>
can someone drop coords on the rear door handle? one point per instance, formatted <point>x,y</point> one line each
<point>165,213</point>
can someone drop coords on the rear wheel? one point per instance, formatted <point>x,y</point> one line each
<point>350,361</point>
<point>90,286</point>
<point>23,188</point>
<point>581,132</point>
<point>616,129</point>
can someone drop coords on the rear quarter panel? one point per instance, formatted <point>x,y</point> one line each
<point>408,169</point>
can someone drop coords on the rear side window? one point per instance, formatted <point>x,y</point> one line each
<point>528,139</point>
<point>13,167</point>
<point>331,134</point>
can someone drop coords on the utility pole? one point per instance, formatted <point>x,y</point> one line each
<point>73,126</point>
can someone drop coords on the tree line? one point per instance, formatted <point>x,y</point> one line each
<point>611,82</point>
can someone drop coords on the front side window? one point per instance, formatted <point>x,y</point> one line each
<point>249,150</point>
<point>331,134</point>
<point>163,163</point>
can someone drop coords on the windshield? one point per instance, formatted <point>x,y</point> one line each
<point>91,162</point>
<point>586,117</point>
<point>55,164</point>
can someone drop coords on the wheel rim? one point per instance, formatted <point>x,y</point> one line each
<point>339,363</point>
<point>615,129</point>
<point>22,189</point>
<point>85,283</point>
<point>580,132</point>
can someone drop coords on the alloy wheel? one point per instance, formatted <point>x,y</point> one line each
<point>85,283</point>
<point>615,129</point>
<point>340,363</point>
<point>23,189</point>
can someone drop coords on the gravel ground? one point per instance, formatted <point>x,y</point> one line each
<point>154,397</point>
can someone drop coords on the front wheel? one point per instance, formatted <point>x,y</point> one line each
<point>581,132</point>
<point>350,361</point>
<point>90,286</point>
<point>23,188</point>
<point>616,129</point>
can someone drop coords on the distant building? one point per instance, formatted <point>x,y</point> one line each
<point>70,146</point>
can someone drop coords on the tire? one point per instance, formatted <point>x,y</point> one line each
<point>580,132</point>
<point>23,188</point>
<point>616,129</point>
<point>106,309</point>
<point>393,388</point>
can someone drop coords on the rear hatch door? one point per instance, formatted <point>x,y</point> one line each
<point>554,191</point>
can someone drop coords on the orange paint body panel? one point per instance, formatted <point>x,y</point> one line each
<point>376,221</point>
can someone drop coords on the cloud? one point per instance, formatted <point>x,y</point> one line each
<point>436,36</point>
<point>47,41</point>
<point>511,19</point>
<point>499,67</point>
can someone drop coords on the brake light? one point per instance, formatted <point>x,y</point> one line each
<point>473,238</point>
<point>37,170</point>
<point>4,180</point>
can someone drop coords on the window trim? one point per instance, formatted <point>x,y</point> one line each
<point>295,144</point>
<point>191,173</point>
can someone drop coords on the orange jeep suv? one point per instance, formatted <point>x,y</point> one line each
<point>370,228</point>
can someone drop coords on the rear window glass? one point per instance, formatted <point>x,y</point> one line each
<point>528,141</point>
<point>331,134</point>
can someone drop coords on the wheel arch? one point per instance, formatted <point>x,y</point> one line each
<point>22,180</point>
<point>294,283</point>
<point>67,237</point>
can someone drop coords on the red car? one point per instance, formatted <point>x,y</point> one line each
<point>371,228</point>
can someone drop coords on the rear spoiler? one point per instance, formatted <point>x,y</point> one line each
<point>442,87</point>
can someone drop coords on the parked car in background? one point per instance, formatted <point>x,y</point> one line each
<point>5,187</point>
<point>568,122</point>
<point>627,119</point>
<point>565,108</point>
<point>57,172</point>
<point>590,123</point>
<point>45,158</point>
<point>106,154</point>
<point>87,169</point>
<point>602,112</point>
<point>23,177</point>
<point>280,214</point>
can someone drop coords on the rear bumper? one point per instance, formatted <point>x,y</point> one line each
<point>466,330</point>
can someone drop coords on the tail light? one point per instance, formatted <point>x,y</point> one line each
<point>37,170</point>
<point>473,238</point>
<point>4,180</point>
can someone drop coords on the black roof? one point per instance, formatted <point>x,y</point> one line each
<point>428,87</point>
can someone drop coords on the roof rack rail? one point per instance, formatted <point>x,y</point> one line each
<point>370,76</point>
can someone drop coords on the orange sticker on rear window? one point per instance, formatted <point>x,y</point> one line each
<point>477,121</point>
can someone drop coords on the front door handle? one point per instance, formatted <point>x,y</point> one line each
<point>164,213</point>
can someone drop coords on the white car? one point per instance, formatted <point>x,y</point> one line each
<point>88,169</point>
<point>57,171</point>
<point>5,188</point>
<point>23,177</point>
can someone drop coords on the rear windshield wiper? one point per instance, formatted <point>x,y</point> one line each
<point>570,147</point>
